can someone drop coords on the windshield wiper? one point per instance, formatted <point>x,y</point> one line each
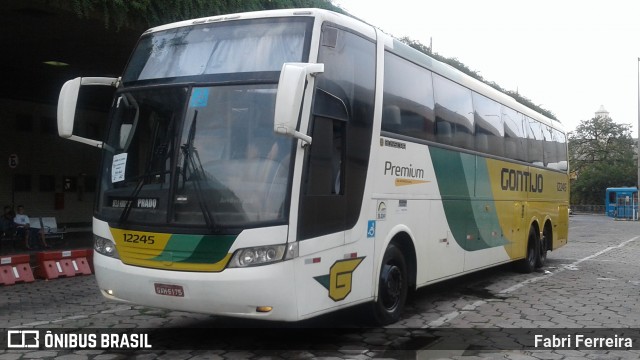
<point>146,175</point>
<point>192,161</point>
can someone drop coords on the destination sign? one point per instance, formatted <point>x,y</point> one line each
<point>140,203</point>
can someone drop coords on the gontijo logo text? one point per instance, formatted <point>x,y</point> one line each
<point>518,180</point>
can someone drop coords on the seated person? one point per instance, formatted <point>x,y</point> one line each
<point>22,222</point>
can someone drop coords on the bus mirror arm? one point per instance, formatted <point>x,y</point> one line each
<point>306,139</point>
<point>291,90</point>
<point>67,106</point>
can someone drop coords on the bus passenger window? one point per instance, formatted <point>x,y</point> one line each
<point>514,135</point>
<point>408,99</point>
<point>443,132</point>
<point>454,105</point>
<point>391,119</point>
<point>535,139</point>
<point>489,126</point>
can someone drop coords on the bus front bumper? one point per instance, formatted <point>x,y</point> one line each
<point>238,292</point>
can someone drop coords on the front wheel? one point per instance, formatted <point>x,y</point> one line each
<point>392,287</point>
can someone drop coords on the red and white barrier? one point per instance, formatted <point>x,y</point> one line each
<point>55,264</point>
<point>15,269</point>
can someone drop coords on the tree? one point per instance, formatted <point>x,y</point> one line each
<point>601,155</point>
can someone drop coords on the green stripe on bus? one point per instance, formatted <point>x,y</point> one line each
<point>485,209</point>
<point>461,178</point>
<point>196,249</point>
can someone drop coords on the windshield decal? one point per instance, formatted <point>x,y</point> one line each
<point>118,167</point>
<point>199,97</point>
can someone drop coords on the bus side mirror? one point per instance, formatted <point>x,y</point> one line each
<point>67,106</point>
<point>291,87</point>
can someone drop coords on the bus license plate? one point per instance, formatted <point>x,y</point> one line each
<point>169,290</point>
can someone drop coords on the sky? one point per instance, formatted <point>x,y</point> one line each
<point>569,57</point>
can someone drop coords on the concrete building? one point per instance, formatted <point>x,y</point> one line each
<point>45,44</point>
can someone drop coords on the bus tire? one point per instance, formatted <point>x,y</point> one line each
<point>528,264</point>
<point>544,247</point>
<point>392,287</point>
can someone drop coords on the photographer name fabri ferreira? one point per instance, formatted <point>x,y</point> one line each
<point>581,341</point>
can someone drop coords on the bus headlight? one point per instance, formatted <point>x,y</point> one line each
<point>262,255</point>
<point>105,247</point>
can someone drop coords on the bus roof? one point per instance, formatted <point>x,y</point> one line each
<point>622,189</point>
<point>463,79</point>
<point>390,42</point>
<point>325,15</point>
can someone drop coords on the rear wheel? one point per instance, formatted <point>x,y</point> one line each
<point>544,247</point>
<point>392,287</point>
<point>528,264</point>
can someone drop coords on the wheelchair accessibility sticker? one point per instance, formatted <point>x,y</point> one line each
<point>371,229</point>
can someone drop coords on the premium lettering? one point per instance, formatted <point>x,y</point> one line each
<point>405,171</point>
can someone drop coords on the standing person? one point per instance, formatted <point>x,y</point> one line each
<point>6,221</point>
<point>24,229</point>
<point>7,227</point>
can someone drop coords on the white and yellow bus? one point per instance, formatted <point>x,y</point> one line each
<point>283,164</point>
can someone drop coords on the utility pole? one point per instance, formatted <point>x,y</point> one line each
<point>637,215</point>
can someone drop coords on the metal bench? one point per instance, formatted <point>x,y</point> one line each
<point>51,230</point>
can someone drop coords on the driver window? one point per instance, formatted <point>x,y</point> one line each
<point>326,158</point>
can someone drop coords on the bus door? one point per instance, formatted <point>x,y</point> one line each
<point>627,206</point>
<point>334,175</point>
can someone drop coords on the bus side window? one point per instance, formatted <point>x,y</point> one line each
<point>325,172</point>
<point>612,197</point>
<point>515,135</point>
<point>561,143</point>
<point>408,99</point>
<point>443,132</point>
<point>455,107</point>
<point>535,139</point>
<point>391,119</point>
<point>489,126</point>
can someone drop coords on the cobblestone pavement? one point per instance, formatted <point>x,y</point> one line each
<point>593,282</point>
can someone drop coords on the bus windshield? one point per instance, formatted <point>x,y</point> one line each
<point>191,142</point>
<point>200,156</point>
